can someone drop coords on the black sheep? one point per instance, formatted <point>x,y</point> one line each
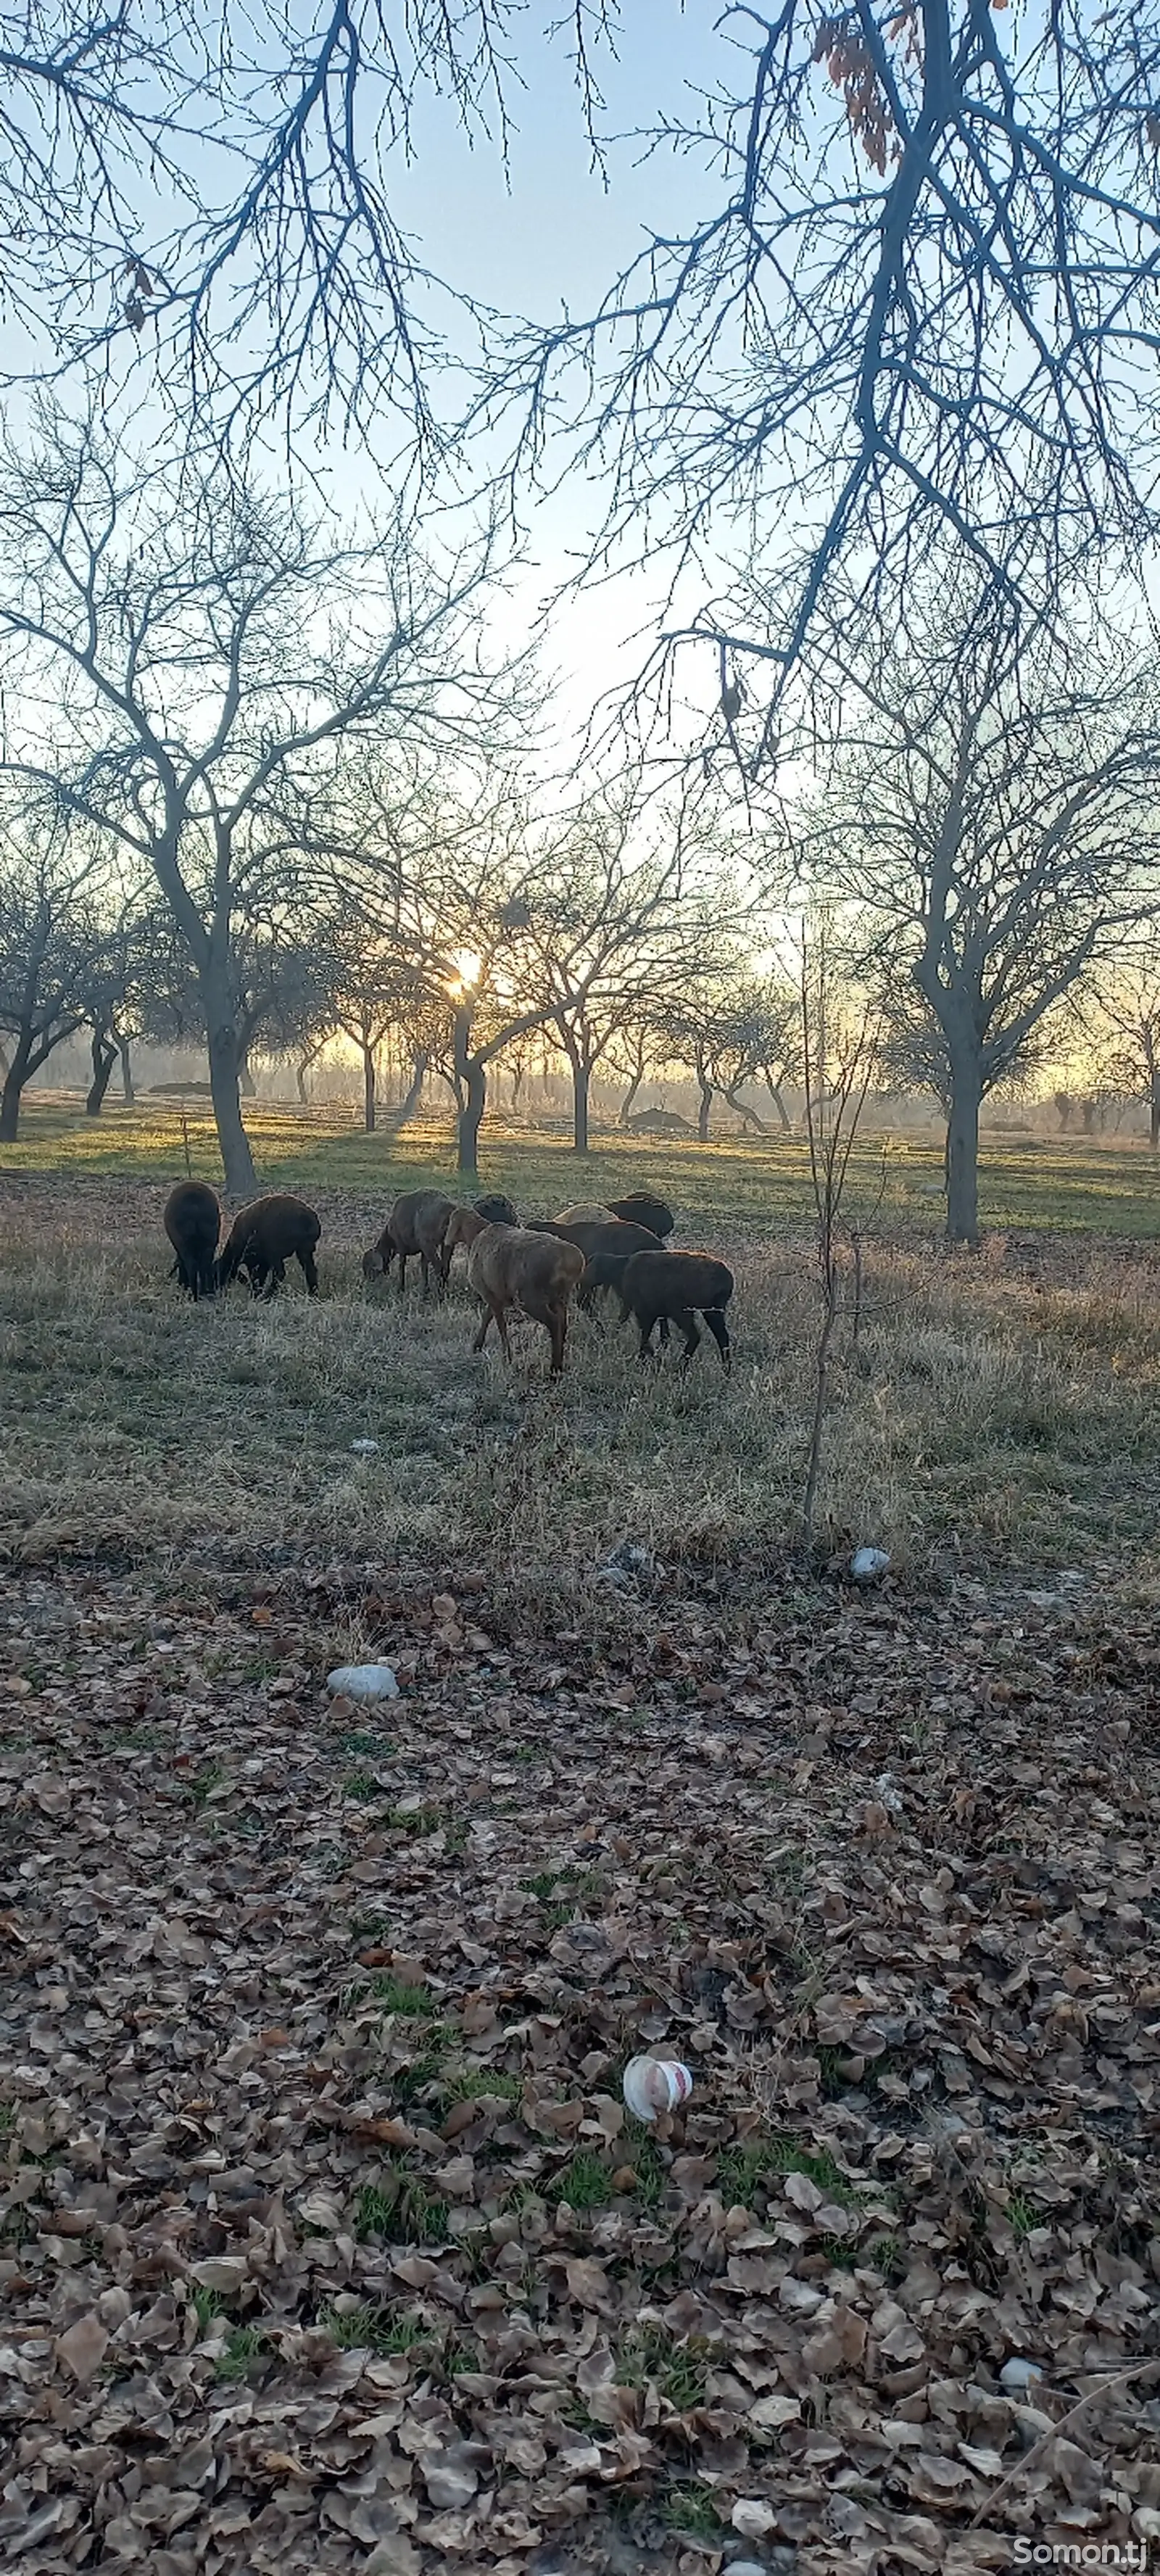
<point>497,1209</point>
<point>641,1208</point>
<point>264,1237</point>
<point>192,1221</point>
<point>660,1287</point>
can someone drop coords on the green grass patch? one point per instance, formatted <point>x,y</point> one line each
<point>676,2368</point>
<point>399,2209</point>
<point>584,2182</point>
<point>693,2509</point>
<point>244,2345</point>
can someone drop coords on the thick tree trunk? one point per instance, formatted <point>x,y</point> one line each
<point>10,1097</point>
<point>127,1090</point>
<point>104,1055</point>
<point>369,1090</point>
<point>962,1161</point>
<point>704,1106</point>
<point>518,1072</point>
<point>581,1086</point>
<point>246,1083</point>
<point>472,1106</point>
<point>241,1180</point>
<point>300,1079</point>
<point>748,1117</point>
<point>774,1090</point>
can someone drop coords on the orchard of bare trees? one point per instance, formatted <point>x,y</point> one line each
<point>869,416</point>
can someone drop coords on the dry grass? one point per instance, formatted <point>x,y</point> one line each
<point>988,1413</point>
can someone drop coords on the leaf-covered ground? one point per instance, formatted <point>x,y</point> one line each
<point>326,2242</point>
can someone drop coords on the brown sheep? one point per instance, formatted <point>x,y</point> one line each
<point>607,1243</point>
<point>192,1221</point>
<point>508,1267</point>
<point>264,1237</point>
<point>659,1287</point>
<point>641,1208</point>
<point>417,1224</point>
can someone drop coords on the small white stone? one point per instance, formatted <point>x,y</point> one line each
<point>363,1681</point>
<point>868,1563</point>
<point>1017,2375</point>
<point>365,1448</point>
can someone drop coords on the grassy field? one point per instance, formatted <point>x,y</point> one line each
<point>998,1405</point>
<point>315,2017</point>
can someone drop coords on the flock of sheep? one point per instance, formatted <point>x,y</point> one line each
<point>537,1267</point>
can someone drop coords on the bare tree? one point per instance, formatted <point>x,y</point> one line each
<point>918,306</point>
<point>1119,1018</point>
<point>838,1051</point>
<point>187,662</point>
<point>55,938</point>
<point>732,1028</point>
<point>620,916</point>
<point>988,823</point>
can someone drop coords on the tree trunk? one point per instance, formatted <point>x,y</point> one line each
<point>704,1107</point>
<point>241,1180</point>
<point>126,1070</point>
<point>104,1054</point>
<point>962,1159</point>
<point>774,1090</point>
<point>518,1071</point>
<point>369,1089</point>
<point>581,1086</point>
<point>1154,1112</point>
<point>246,1083</point>
<point>10,1098</point>
<point>748,1117</point>
<point>629,1097</point>
<point>300,1079</point>
<point>471,1115</point>
<point>414,1091</point>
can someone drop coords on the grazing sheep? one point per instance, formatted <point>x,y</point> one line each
<point>607,1244</point>
<point>496,1210</point>
<point>192,1221</point>
<point>659,1287</point>
<point>264,1237</point>
<point>508,1267</point>
<point>641,1208</point>
<point>417,1224</point>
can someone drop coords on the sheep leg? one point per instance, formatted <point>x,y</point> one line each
<point>501,1319</point>
<point>558,1329</point>
<point>306,1264</point>
<point>686,1323</point>
<point>402,1272</point>
<point>646,1333</point>
<point>425,1273</point>
<point>720,1331</point>
<point>489,1313</point>
<point>276,1281</point>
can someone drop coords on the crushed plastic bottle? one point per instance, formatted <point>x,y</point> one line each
<point>653,2084</point>
<point>869,1564</point>
<point>363,1681</point>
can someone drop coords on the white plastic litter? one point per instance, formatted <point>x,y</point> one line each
<point>869,1563</point>
<point>365,1448</point>
<point>653,2084</point>
<point>752,2517</point>
<point>1017,2375</point>
<point>363,1681</point>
